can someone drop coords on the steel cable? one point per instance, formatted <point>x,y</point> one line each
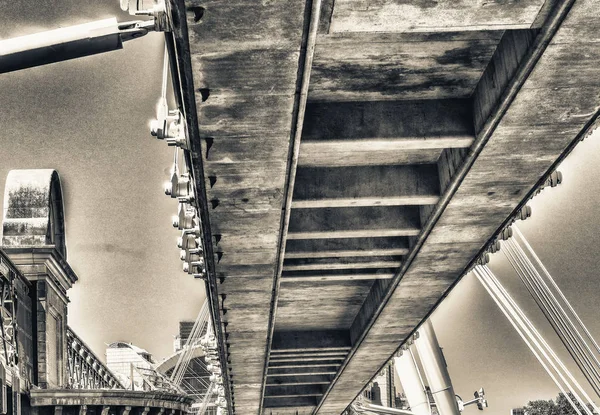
<point>544,344</point>
<point>556,314</point>
<point>555,286</point>
<point>529,334</point>
<point>551,314</point>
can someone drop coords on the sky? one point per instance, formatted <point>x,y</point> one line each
<point>480,345</point>
<point>88,118</point>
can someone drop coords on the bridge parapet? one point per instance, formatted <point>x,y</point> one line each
<point>107,402</point>
<point>84,369</point>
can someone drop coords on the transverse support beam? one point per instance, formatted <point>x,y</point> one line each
<point>458,15</point>
<point>298,380</point>
<point>298,371</point>
<point>358,222</point>
<point>366,186</point>
<point>383,133</point>
<point>341,263</point>
<point>305,340</point>
<point>351,247</point>
<point>293,355</point>
<point>344,276</point>
<point>307,365</point>
<point>293,391</point>
<point>302,402</point>
<point>278,359</point>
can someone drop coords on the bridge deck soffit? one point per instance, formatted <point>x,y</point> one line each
<point>419,138</point>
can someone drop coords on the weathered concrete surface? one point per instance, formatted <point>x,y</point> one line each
<point>431,16</point>
<point>370,173</point>
<point>377,66</point>
<point>245,58</point>
<point>547,114</point>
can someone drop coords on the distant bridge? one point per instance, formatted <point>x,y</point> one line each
<point>45,366</point>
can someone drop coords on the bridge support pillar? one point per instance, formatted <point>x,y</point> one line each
<point>50,277</point>
<point>34,239</point>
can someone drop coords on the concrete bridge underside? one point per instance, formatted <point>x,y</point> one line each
<point>352,162</point>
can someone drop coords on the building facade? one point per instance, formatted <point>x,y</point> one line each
<point>129,362</point>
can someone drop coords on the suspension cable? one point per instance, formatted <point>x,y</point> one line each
<point>188,348</point>
<point>165,73</point>
<point>532,338</point>
<point>555,286</point>
<point>555,320</point>
<point>515,317</point>
<point>543,342</point>
<point>556,314</point>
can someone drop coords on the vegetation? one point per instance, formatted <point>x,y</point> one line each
<point>550,407</point>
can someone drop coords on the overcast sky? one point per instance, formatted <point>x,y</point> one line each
<point>88,119</point>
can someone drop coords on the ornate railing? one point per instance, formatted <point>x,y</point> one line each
<point>85,370</point>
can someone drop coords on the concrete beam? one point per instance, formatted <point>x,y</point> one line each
<point>384,67</point>
<point>410,121</point>
<point>298,380</point>
<point>283,405</point>
<point>310,358</point>
<point>530,107</point>
<point>358,222</point>
<point>341,263</point>
<point>243,63</point>
<point>347,276</point>
<point>318,353</point>
<point>318,366</point>
<point>339,350</point>
<point>383,133</point>
<point>293,391</point>
<point>352,247</point>
<point>298,371</point>
<point>298,341</point>
<point>460,15</point>
<point>366,186</point>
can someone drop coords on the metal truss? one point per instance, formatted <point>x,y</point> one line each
<point>85,370</point>
<point>8,320</point>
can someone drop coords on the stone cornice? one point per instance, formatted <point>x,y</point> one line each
<point>33,262</point>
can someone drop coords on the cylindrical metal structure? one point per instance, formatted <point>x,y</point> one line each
<point>67,43</point>
<point>436,372</point>
<point>411,384</point>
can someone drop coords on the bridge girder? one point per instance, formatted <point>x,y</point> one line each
<point>356,164</point>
